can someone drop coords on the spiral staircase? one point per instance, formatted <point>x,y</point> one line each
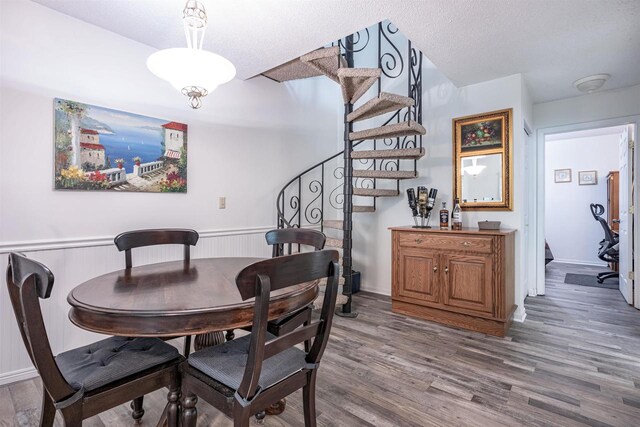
<point>337,63</point>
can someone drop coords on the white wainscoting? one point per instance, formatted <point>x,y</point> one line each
<point>75,261</point>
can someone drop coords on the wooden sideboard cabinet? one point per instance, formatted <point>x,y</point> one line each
<point>460,278</point>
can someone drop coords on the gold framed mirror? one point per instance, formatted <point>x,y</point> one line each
<point>482,161</point>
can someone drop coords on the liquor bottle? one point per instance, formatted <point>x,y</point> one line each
<point>444,217</point>
<point>456,216</point>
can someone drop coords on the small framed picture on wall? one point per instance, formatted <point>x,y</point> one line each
<point>562,175</point>
<point>587,178</point>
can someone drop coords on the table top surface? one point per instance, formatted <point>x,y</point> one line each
<point>176,290</point>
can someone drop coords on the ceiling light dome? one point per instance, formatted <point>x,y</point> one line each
<point>191,70</point>
<point>591,83</point>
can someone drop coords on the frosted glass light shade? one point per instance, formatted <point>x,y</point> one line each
<point>185,67</point>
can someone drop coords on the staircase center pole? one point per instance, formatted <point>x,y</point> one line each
<point>347,270</point>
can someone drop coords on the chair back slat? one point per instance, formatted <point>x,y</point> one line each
<point>29,281</point>
<point>169,236</point>
<point>258,280</point>
<point>290,339</point>
<point>294,236</point>
<point>286,271</point>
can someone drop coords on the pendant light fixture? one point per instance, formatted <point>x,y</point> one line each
<point>191,70</point>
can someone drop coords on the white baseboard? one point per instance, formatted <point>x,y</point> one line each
<point>519,315</point>
<point>377,292</point>
<point>19,375</point>
<point>579,262</point>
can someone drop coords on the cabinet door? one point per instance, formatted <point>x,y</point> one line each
<point>418,275</point>
<point>468,282</point>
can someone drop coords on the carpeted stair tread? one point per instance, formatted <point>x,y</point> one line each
<point>389,131</point>
<point>355,82</point>
<point>363,209</point>
<point>374,192</point>
<point>336,224</point>
<point>340,299</point>
<point>292,70</point>
<point>323,282</point>
<point>333,243</point>
<point>384,174</point>
<point>327,61</point>
<point>383,103</point>
<point>402,153</point>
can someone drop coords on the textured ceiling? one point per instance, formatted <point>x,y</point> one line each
<point>551,42</point>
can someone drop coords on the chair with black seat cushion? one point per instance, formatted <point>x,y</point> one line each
<point>86,381</point>
<point>608,251</point>
<point>283,240</point>
<point>244,376</point>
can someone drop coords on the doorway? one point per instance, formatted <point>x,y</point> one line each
<point>583,194</point>
<point>577,165</point>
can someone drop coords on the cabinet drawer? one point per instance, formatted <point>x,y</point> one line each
<point>446,242</point>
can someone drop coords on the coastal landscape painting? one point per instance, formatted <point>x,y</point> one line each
<point>98,148</point>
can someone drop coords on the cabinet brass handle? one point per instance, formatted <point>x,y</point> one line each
<point>466,243</point>
<point>446,269</point>
<point>435,268</point>
<point>418,241</point>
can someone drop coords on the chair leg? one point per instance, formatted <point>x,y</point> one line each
<point>72,415</point>
<point>136,409</point>
<point>173,409</point>
<point>309,400</point>
<point>189,411</point>
<point>260,417</point>
<point>241,415</point>
<point>307,322</point>
<point>187,346</point>
<point>48,413</point>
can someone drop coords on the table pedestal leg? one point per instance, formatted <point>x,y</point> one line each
<point>277,408</point>
<point>207,340</point>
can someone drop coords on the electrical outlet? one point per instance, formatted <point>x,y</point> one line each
<point>222,202</point>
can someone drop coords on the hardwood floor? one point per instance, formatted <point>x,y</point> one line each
<point>575,361</point>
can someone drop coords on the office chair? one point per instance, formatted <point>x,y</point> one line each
<point>608,251</point>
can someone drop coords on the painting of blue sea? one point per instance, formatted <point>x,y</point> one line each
<point>98,148</point>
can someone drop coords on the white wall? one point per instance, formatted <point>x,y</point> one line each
<point>588,108</point>
<point>570,229</point>
<point>442,102</point>
<point>249,138</point>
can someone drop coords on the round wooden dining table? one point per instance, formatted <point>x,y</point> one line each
<point>177,298</point>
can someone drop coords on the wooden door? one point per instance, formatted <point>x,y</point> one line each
<point>468,282</point>
<point>625,231</point>
<point>418,275</point>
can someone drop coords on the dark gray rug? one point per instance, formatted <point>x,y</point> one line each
<point>590,280</point>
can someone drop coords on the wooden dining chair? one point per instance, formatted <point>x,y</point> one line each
<point>153,237</point>
<point>283,241</point>
<point>142,238</point>
<point>244,376</point>
<point>88,380</point>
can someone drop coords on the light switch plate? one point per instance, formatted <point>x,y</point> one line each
<point>222,202</point>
